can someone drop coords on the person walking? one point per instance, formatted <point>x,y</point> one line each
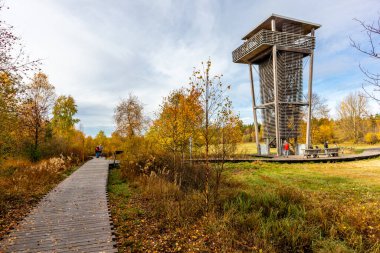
<point>286,148</point>
<point>97,151</point>
<point>100,150</point>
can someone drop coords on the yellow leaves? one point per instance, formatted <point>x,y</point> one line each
<point>178,119</point>
<point>63,114</point>
<point>371,138</point>
<point>5,78</point>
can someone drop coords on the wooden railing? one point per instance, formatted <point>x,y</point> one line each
<point>273,38</point>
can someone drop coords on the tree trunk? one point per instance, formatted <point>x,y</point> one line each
<point>207,174</point>
<point>35,147</point>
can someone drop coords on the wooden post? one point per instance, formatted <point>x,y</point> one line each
<point>273,24</point>
<point>310,95</point>
<point>254,110</point>
<point>275,84</point>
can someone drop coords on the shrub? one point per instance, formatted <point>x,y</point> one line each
<point>247,138</point>
<point>371,138</point>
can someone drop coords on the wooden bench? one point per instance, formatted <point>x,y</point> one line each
<point>311,153</point>
<point>332,151</point>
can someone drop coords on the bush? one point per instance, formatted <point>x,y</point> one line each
<point>247,138</point>
<point>371,138</point>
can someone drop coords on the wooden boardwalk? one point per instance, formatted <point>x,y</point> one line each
<point>367,154</point>
<point>74,217</point>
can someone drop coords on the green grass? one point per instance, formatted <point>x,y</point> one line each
<point>119,193</point>
<point>116,186</point>
<point>332,207</point>
<point>334,186</point>
<point>354,177</point>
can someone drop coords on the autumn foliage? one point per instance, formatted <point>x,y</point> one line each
<point>39,144</point>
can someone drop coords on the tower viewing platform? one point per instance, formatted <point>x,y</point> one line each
<point>289,34</point>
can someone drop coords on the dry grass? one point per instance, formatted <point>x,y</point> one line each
<point>262,208</point>
<point>23,184</point>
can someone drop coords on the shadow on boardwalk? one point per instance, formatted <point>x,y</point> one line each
<point>74,217</point>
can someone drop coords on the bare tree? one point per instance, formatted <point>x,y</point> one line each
<point>129,117</point>
<point>13,59</point>
<point>371,85</point>
<point>352,111</point>
<point>319,107</point>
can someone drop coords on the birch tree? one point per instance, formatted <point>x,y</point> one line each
<point>129,117</point>
<point>212,99</point>
<point>352,112</point>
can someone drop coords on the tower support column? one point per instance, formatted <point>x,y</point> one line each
<point>275,87</point>
<point>310,96</point>
<point>254,110</point>
<point>276,102</point>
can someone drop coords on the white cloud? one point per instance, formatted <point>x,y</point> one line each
<point>99,51</point>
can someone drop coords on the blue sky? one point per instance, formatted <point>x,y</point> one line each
<point>100,51</point>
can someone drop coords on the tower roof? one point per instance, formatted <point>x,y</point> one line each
<point>266,24</point>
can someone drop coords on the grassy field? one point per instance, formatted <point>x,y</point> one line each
<point>312,176</point>
<point>335,205</point>
<point>262,207</point>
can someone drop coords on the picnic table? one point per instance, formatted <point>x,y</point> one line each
<point>332,151</point>
<point>311,152</point>
<point>315,153</point>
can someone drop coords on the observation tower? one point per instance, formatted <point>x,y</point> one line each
<point>279,46</point>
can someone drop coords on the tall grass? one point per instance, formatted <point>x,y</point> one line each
<point>23,184</point>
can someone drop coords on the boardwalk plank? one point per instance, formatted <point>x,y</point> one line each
<point>62,236</point>
<point>43,232</point>
<point>52,245</point>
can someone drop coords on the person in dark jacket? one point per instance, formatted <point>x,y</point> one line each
<point>97,151</point>
<point>326,146</point>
